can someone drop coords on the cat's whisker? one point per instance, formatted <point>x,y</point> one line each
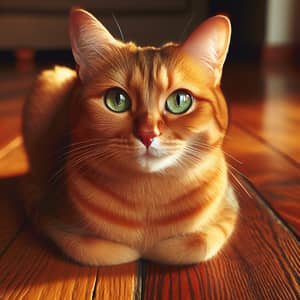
<point>83,147</point>
<point>54,178</point>
<point>237,171</point>
<point>240,184</point>
<point>186,26</point>
<point>86,156</point>
<point>225,153</point>
<point>86,141</point>
<point>73,144</point>
<point>119,27</point>
<point>193,156</point>
<point>209,147</point>
<point>61,157</point>
<point>76,147</point>
<point>232,157</point>
<point>74,160</point>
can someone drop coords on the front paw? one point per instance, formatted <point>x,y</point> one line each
<point>181,250</point>
<point>91,250</point>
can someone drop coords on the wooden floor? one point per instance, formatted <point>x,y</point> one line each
<point>261,261</point>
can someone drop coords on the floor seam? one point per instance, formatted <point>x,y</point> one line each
<point>269,207</point>
<point>17,233</point>
<point>94,289</point>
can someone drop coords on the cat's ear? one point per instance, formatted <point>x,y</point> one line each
<point>88,39</point>
<point>209,44</point>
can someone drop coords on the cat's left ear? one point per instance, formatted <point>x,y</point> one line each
<point>209,44</point>
<point>89,39</point>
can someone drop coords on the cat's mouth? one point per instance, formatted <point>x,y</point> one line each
<point>154,158</point>
<point>150,155</point>
<point>154,151</point>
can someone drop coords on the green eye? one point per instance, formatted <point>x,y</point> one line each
<point>117,100</point>
<point>179,102</point>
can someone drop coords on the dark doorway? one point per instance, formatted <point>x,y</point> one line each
<point>248,21</point>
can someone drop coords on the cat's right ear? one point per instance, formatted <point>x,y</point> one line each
<point>209,44</point>
<point>88,39</point>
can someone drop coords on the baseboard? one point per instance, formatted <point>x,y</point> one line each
<point>281,54</point>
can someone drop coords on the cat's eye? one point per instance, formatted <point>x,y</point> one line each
<point>179,102</point>
<point>117,100</point>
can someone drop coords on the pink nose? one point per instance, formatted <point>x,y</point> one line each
<point>146,129</point>
<point>147,137</point>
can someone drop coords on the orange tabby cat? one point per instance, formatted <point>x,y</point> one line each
<point>126,154</point>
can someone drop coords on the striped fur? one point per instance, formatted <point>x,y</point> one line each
<point>101,196</point>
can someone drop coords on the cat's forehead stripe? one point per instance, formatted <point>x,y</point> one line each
<point>161,77</point>
<point>149,69</point>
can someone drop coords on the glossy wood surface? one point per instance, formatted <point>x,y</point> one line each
<point>261,261</point>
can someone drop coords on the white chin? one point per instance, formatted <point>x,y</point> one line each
<point>152,164</point>
<point>155,159</point>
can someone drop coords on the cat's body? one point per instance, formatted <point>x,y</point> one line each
<point>148,181</point>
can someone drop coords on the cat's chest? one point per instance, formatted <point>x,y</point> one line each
<point>138,203</point>
<point>141,220</point>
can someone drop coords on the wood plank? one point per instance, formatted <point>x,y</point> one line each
<point>13,160</point>
<point>261,261</point>
<point>118,282</point>
<point>12,217</point>
<point>39,272</point>
<point>35,273</point>
<point>10,128</point>
<point>275,121</point>
<point>277,179</point>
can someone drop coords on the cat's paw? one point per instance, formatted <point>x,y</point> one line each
<point>91,250</point>
<point>195,247</point>
<point>181,250</point>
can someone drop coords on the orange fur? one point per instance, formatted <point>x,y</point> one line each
<point>102,196</point>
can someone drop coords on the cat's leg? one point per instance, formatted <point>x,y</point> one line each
<point>91,250</point>
<point>198,246</point>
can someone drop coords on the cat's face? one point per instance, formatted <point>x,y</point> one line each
<point>148,109</point>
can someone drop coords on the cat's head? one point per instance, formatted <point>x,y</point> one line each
<point>150,109</point>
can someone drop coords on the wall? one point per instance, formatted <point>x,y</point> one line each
<point>282,22</point>
<point>44,24</point>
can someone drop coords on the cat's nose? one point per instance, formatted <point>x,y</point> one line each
<point>146,137</point>
<point>146,129</point>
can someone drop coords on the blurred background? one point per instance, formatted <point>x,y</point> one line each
<point>263,31</point>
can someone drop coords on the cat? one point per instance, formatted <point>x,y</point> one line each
<point>125,152</point>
